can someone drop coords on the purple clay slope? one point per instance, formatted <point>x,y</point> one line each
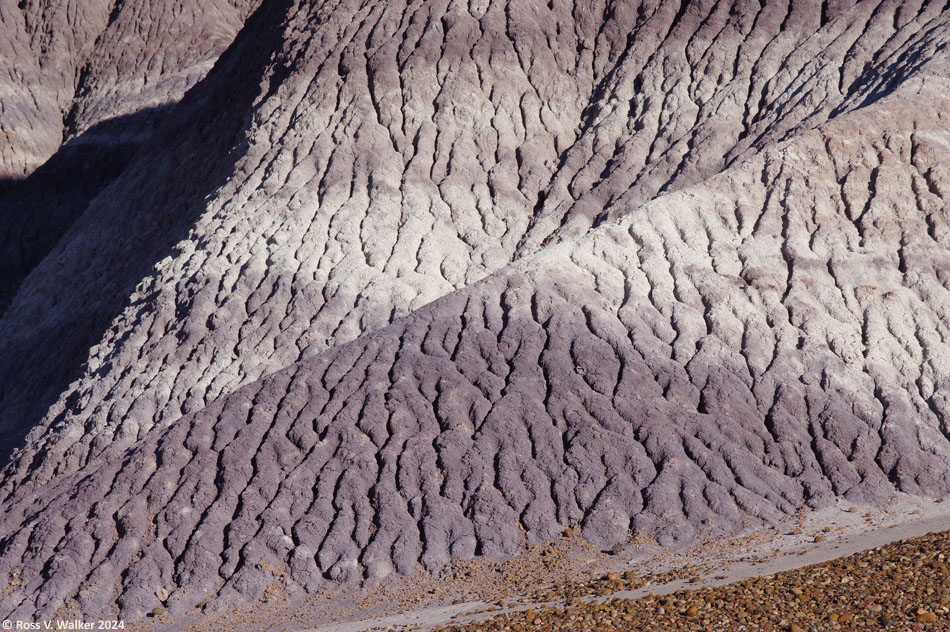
<point>354,162</point>
<point>591,385</point>
<point>753,318</point>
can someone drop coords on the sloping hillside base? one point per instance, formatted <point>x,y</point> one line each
<point>565,571</point>
<point>725,354</point>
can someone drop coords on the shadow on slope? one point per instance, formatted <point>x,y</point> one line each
<point>69,298</point>
<point>36,211</point>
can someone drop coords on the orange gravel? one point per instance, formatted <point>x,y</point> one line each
<point>902,586</point>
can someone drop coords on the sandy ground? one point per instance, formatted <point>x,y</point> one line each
<point>847,529</point>
<point>424,602</point>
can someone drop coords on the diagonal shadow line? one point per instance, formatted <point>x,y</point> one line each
<point>68,300</point>
<point>36,211</point>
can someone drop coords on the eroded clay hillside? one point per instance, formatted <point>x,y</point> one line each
<point>398,284</point>
<point>82,85</point>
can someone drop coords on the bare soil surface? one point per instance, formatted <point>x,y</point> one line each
<point>568,578</point>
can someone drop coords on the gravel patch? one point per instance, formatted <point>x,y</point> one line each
<point>901,586</point>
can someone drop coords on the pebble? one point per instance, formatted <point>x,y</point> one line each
<point>902,586</point>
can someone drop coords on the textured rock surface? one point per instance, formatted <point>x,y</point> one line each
<point>693,266</point>
<point>69,65</point>
<point>82,86</point>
